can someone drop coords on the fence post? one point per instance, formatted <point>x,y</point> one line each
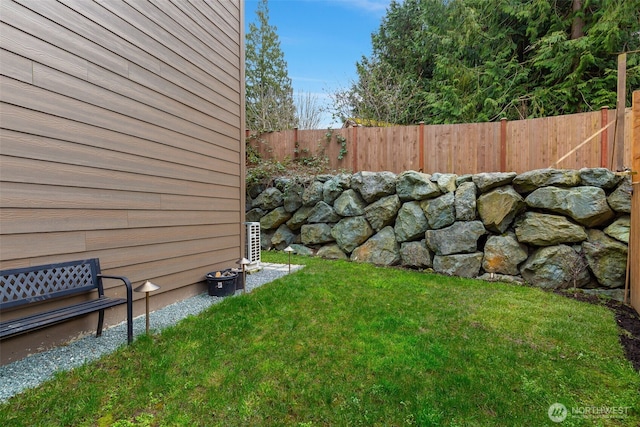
<point>295,143</point>
<point>354,148</point>
<point>421,147</point>
<point>503,144</point>
<point>604,137</point>
<point>618,144</point>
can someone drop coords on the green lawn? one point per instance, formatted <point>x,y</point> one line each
<point>343,344</point>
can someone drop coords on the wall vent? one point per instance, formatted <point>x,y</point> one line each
<point>253,244</point>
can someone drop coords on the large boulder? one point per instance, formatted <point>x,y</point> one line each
<point>461,265</point>
<point>619,229</point>
<point>351,232</point>
<point>254,215</point>
<point>301,249</point>
<point>465,201</point>
<point>314,234</point>
<point>383,212</point>
<point>461,237</point>
<point>503,254</point>
<point>547,230</point>
<point>324,177</point>
<point>381,249</point>
<point>441,211</point>
<point>312,194</point>
<point>620,199</point>
<point>607,258</point>
<point>415,255</point>
<point>412,185</point>
<point>333,188</point>
<point>331,251</point>
<point>299,218</point>
<point>349,204</point>
<point>322,212</point>
<point>463,178</point>
<point>282,238</point>
<point>374,185</point>
<point>599,177</point>
<point>265,238</point>
<point>253,190</point>
<point>586,205</point>
<point>411,223</point>
<point>269,199</point>
<point>488,181</point>
<point>499,207</point>
<point>528,181</point>
<point>446,181</point>
<point>505,278</point>
<point>292,196</point>
<point>282,182</point>
<point>556,267</point>
<point>274,219</point>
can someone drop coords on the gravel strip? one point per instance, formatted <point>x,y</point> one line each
<point>33,370</point>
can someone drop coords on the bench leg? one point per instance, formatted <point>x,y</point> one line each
<point>100,323</point>
<point>129,318</point>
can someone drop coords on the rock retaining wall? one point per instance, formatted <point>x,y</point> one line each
<point>550,228</point>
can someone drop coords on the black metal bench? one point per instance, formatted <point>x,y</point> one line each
<point>30,285</point>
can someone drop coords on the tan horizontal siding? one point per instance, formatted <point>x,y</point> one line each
<point>221,22</point>
<point>39,99</point>
<point>115,223</point>
<point>15,66</point>
<point>194,265</point>
<point>52,196</point>
<point>100,38</point>
<point>24,145</point>
<point>198,27</point>
<point>15,169</point>
<point>184,43</point>
<point>20,118</point>
<point>31,22</point>
<point>169,50</point>
<point>105,239</point>
<point>122,139</point>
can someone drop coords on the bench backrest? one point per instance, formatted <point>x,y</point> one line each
<point>30,284</point>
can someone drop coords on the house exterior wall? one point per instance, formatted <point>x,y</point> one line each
<point>122,139</point>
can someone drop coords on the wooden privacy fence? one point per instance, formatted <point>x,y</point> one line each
<point>517,146</point>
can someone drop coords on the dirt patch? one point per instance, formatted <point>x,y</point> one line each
<point>627,319</point>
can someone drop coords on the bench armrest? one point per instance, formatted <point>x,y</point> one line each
<point>127,283</point>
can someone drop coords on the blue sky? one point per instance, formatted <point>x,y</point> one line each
<point>322,40</point>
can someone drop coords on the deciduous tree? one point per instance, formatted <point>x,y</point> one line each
<point>308,110</point>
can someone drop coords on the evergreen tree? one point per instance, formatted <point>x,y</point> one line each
<point>480,60</point>
<point>269,93</point>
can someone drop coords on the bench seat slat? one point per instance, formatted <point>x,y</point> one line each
<point>37,321</point>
